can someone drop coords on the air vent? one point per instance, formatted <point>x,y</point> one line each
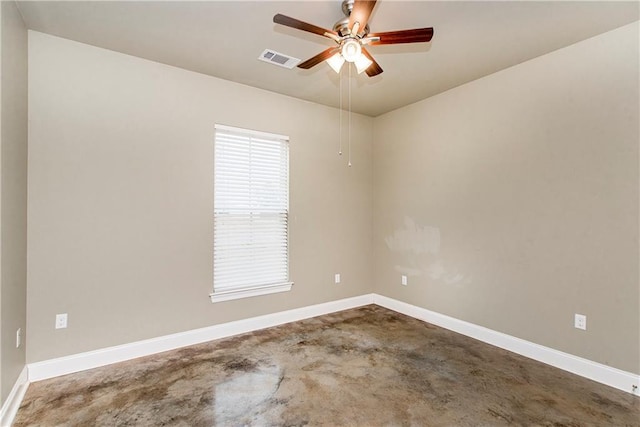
<point>280,59</point>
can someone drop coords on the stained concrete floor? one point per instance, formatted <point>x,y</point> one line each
<point>362,367</point>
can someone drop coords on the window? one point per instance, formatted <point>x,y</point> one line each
<point>251,214</point>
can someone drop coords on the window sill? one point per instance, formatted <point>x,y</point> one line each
<point>250,292</point>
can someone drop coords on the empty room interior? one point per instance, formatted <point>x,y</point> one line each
<point>320,213</point>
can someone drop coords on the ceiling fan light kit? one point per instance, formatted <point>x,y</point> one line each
<point>350,51</point>
<point>351,34</point>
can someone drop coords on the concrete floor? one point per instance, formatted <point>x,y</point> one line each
<point>362,367</point>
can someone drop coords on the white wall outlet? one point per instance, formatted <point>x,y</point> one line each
<point>580,321</point>
<point>61,321</point>
<point>18,337</point>
<point>337,278</point>
<point>404,280</point>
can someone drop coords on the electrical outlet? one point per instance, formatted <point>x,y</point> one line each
<point>337,278</point>
<point>580,321</point>
<point>18,337</point>
<point>61,321</point>
<point>404,280</point>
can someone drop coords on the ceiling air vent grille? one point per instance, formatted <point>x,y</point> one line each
<point>276,58</point>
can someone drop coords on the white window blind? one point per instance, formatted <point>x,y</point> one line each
<point>251,213</point>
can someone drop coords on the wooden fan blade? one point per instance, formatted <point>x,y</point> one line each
<point>299,25</point>
<point>418,35</point>
<point>361,11</point>
<point>374,69</point>
<point>322,56</point>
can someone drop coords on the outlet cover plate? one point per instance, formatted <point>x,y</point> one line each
<point>337,278</point>
<point>61,321</point>
<point>580,321</point>
<point>404,280</point>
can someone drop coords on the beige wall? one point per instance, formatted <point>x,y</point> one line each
<point>121,196</point>
<point>13,193</point>
<point>512,202</point>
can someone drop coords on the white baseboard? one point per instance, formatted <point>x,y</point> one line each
<point>577,365</point>
<point>106,356</point>
<point>14,399</point>
<point>586,368</point>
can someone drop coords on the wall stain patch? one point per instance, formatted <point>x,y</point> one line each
<point>420,248</point>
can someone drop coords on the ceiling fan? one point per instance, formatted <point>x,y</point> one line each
<point>351,35</point>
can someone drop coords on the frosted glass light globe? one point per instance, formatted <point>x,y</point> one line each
<point>351,50</point>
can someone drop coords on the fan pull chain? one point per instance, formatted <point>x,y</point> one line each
<point>349,114</point>
<point>340,137</point>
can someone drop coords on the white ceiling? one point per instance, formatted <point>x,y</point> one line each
<point>224,38</point>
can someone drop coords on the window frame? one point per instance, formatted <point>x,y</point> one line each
<point>227,294</point>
